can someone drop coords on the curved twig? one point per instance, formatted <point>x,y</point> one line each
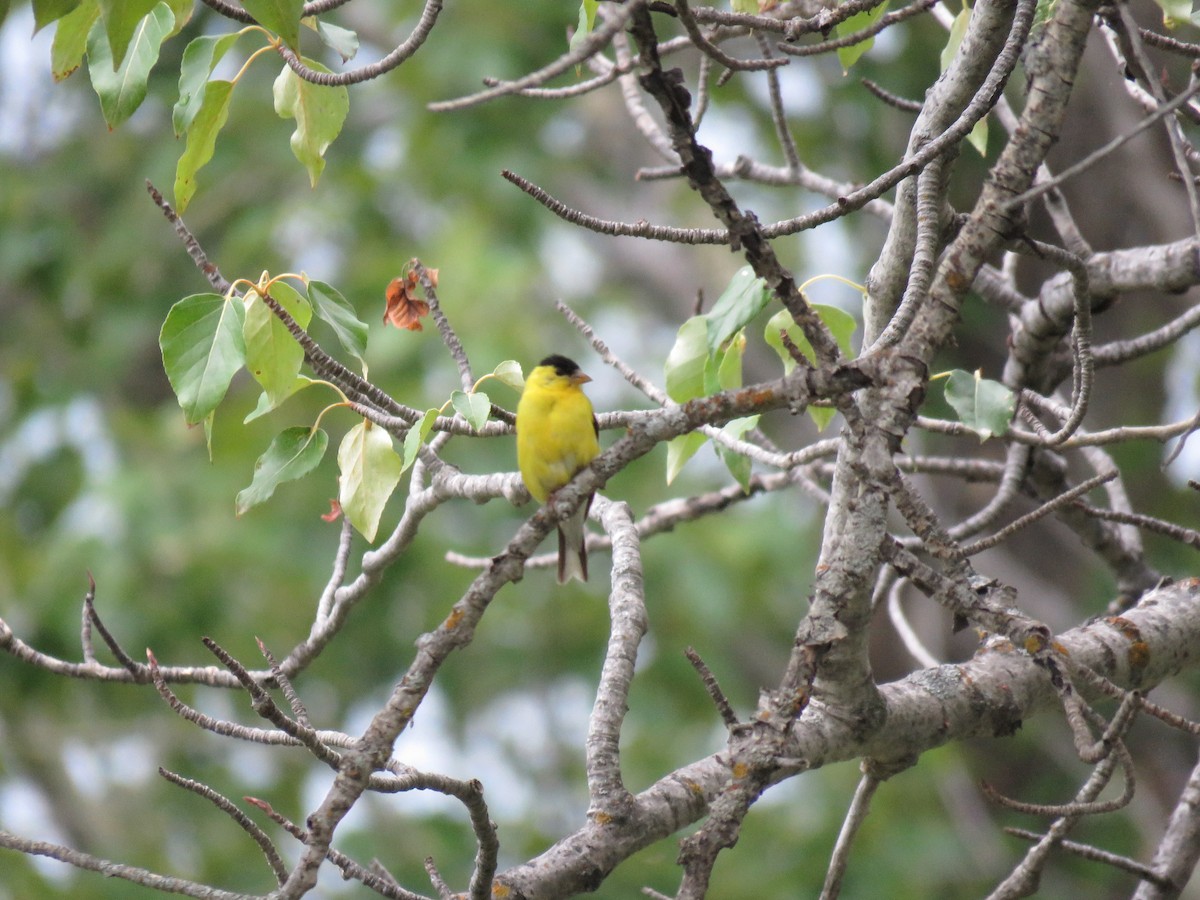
<point>593,43</point>
<point>399,55</point>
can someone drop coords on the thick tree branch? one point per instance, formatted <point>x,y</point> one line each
<point>988,696</point>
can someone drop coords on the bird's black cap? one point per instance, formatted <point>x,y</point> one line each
<point>562,365</point>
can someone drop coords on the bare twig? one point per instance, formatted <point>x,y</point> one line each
<point>893,100</point>
<point>778,115</point>
<point>341,561</point>
<point>885,21</point>
<point>1126,43</point>
<point>402,53</point>
<point>85,634</point>
<point>728,716</point>
<point>1095,156</point>
<point>855,816</point>
<point>274,860</point>
<point>109,869</point>
<point>384,886</point>
<point>1083,363</point>
<point>1024,878</point>
<point>138,671</point>
<point>208,723</point>
<point>449,336</point>
<point>593,43</point>
<point>445,892</point>
<point>602,226</point>
<point>266,707</point>
<point>285,686</point>
<point>1117,352</point>
<point>1042,511</point>
<point>930,197</point>
<point>1188,536</point>
<point>912,643</point>
<point>1082,805</point>
<point>711,50</point>
<point>1124,863</point>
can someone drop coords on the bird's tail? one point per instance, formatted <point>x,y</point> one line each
<point>572,547</point>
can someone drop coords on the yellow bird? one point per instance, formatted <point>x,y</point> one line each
<point>557,435</point>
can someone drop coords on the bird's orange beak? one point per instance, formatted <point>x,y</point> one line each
<point>580,378</point>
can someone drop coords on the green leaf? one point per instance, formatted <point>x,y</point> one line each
<point>744,298</point>
<point>748,7</point>
<point>335,310</point>
<point>70,39</point>
<point>821,416</point>
<point>279,16</point>
<point>724,371</point>
<point>200,57</point>
<point>587,21</point>
<point>416,436</point>
<point>680,450</point>
<point>978,137</point>
<point>475,408</point>
<point>848,56</point>
<point>201,140</point>
<point>509,372</point>
<point>202,348</point>
<point>684,369</point>
<point>958,30</point>
<point>272,354</point>
<point>723,364</point>
<point>293,454</point>
<point>122,19</point>
<point>738,463</point>
<point>182,11</point>
<point>370,472</point>
<point>1175,11</point>
<point>266,404</point>
<point>839,322</point>
<point>691,372</point>
<point>121,92</point>
<point>341,41</point>
<point>1043,12</point>
<point>986,407</point>
<point>47,11</point>
<point>208,429</point>
<point>319,112</point>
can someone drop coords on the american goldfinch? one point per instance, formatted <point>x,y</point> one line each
<point>556,437</point>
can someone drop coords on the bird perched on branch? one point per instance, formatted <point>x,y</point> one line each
<point>557,435</point>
